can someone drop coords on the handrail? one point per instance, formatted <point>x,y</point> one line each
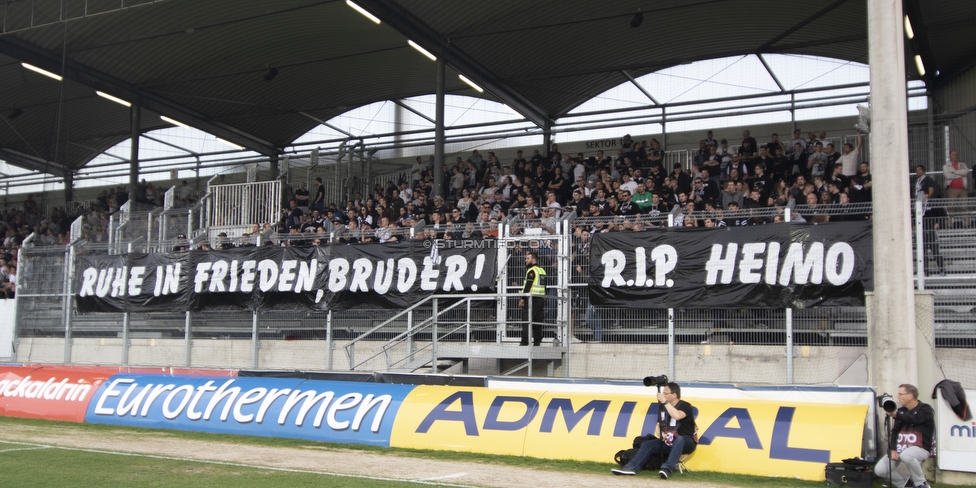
<point>391,319</point>
<point>410,309</point>
<point>428,322</point>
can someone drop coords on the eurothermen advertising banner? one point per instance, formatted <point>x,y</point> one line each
<point>776,265</point>
<point>391,275</point>
<point>755,437</point>
<point>331,411</point>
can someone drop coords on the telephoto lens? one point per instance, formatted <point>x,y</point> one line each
<point>885,401</point>
<point>656,380</point>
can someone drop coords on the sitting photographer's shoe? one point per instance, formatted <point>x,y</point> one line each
<point>623,471</point>
<point>664,474</point>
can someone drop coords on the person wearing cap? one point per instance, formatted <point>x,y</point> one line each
<point>223,243</point>
<point>181,244</point>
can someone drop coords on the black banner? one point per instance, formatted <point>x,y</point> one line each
<point>775,265</point>
<point>391,275</point>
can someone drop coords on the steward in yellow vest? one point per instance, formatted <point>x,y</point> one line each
<point>535,309</point>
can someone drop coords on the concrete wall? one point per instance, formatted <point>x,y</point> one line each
<point>704,362</point>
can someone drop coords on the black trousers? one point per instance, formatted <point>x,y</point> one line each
<point>538,317</point>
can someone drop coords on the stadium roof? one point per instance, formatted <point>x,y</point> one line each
<point>261,74</point>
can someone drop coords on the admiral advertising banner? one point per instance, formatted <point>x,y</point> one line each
<point>777,265</point>
<point>392,275</point>
<point>755,437</point>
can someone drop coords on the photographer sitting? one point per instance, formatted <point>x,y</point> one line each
<point>911,439</point>
<point>678,436</point>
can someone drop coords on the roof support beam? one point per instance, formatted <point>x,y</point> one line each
<point>640,87</point>
<point>25,161</point>
<point>416,112</point>
<point>170,144</point>
<point>770,71</point>
<point>416,30</point>
<point>320,121</point>
<point>97,80</point>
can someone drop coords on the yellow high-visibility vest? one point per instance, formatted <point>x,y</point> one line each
<point>537,289</point>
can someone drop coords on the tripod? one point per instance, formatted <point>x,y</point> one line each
<point>888,455</point>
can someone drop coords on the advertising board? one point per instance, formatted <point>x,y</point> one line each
<point>331,411</point>
<point>756,437</point>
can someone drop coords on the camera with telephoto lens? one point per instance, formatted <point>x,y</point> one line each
<point>885,401</point>
<point>658,381</point>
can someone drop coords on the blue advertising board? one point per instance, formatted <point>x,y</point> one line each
<point>330,411</point>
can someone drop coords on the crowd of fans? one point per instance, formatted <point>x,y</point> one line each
<point>630,190</point>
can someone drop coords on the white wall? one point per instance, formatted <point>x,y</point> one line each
<point>6,329</point>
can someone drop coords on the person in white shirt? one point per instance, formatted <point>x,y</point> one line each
<point>956,175</point>
<point>417,171</point>
<point>628,184</point>
<point>848,161</point>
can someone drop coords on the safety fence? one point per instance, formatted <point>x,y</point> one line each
<point>597,339</point>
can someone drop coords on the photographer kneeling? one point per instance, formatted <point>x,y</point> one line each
<point>674,434</point>
<point>910,440</point>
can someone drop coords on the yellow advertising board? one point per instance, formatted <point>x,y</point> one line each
<point>755,437</point>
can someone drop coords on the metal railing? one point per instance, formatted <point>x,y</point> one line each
<point>243,204</point>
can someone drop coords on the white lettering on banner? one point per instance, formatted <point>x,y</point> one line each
<point>613,263</point>
<point>45,390</point>
<point>428,277</point>
<point>361,268</point>
<point>748,263</point>
<point>201,276</point>
<point>171,413</point>
<point>718,265</point>
<point>664,257</point>
<point>363,275</point>
<point>186,400</point>
<point>135,280</point>
<point>247,275</point>
<point>407,274</point>
<point>456,266</point>
<point>219,270</point>
<point>267,274</point>
<point>384,276</point>
<point>799,266</point>
<point>338,268</point>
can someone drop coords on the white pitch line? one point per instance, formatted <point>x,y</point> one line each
<point>24,449</point>
<point>446,477</point>
<point>238,465</point>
